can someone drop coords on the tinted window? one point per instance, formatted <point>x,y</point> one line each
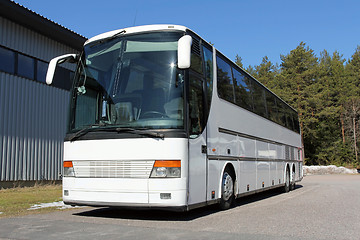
<point>258,94</point>
<point>282,113</point>
<point>271,106</point>
<point>196,107</point>
<point>236,86</point>
<point>289,119</point>
<point>296,121</point>
<point>208,60</point>
<point>7,60</point>
<point>224,79</point>
<point>41,70</point>
<point>243,96</point>
<point>26,66</point>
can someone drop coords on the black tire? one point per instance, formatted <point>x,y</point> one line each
<point>227,190</point>
<point>286,187</point>
<point>292,184</point>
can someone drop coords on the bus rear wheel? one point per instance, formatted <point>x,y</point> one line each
<point>227,190</point>
<point>292,184</point>
<point>286,187</point>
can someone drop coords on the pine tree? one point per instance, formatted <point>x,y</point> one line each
<point>238,61</point>
<point>350,101</point>
<point>266,73</point>
<point>330,130</point>
<point>297,79</point>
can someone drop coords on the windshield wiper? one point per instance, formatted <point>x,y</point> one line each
<point>107,39</point>
<point>144,132</point>
<point>98,127</point>
<point>92,127</point>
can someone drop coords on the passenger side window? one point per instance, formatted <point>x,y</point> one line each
<point>282,113</point>
<point>242,85</point>
<point>208,59</point>
<point>224,80</point>
<point>196,107</point>
<point>271,107</point>
<point>296,121</point>
<point>259,99</point>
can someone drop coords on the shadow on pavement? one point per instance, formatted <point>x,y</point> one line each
<point>243,201</point>
<point>162,215</point>
<point>149,214</point>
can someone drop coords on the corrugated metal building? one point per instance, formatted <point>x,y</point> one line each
<point>32,115</point>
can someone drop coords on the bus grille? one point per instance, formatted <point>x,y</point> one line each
<point>113,169</point>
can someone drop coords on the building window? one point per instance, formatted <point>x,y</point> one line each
<point>41,69</point>
<point>26,66</point>
<point>31,68</point>
<point>7,60</point>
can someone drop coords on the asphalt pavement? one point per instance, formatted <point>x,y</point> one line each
<point>321,207</point>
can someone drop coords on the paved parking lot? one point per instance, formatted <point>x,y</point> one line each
<point>321,207</point>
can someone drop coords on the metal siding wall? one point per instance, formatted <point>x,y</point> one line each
<point>32,129</point>
<point>32,115</point>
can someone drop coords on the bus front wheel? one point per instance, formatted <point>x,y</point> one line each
<point>227,190</point>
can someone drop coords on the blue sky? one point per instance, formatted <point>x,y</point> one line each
<point>251,29</point>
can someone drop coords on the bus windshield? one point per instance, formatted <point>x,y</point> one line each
<point>129,82</point>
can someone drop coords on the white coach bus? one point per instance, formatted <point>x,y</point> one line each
<point>160,119</point>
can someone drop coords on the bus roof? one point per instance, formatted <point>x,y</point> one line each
<point>145,28</point>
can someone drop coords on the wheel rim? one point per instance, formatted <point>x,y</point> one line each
<point>227,186</point>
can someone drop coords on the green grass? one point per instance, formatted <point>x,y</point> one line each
<point>17,201</point>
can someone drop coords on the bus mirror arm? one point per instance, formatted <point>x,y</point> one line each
<point>72,58</point>
<point>184,52</point>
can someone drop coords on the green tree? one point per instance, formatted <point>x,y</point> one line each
<point>353,74</point>
<point>352,117</point>
<point>238,61</point>
<point>330,128</point>
<point>296,81</point>
<point>350,101</point>
<point>266,73</point>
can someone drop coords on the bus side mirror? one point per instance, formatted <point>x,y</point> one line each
<point>184,52</point>
<point>58,60</point>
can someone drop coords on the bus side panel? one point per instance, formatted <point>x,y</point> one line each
<point>197,161</point>
<point>247,176</point>
<point>280,172</point>
<point>247,148</point>
<point>263,164</point>
<point>214,176</point>
<point>273,176</point>
<point>273,165</point>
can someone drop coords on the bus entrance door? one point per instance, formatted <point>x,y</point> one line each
<point>197,142</point>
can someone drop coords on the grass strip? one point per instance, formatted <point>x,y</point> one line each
<point>17,201</point>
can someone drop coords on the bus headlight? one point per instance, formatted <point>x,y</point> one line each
<point>166,169</point>
<point>69,169</point>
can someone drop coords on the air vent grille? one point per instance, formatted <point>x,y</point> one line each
<point>195,47</point>
<point>113,169</point>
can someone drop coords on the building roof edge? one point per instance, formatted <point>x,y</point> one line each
<point>32,20</point>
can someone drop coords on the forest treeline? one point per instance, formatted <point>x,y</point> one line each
<point>325,90</point>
